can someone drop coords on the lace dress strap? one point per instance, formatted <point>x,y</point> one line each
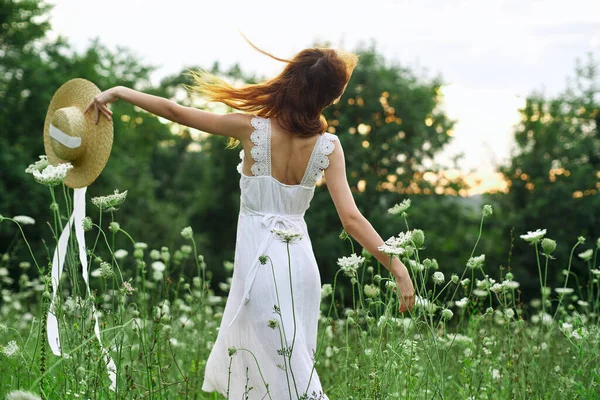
<point>261,151</point>
<point>319,159</point>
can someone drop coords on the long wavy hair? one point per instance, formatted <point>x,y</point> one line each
<point>309,83</point>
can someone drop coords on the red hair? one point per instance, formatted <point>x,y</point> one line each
<point>309,83</point>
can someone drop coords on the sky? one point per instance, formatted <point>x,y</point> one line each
<point>491,54</point>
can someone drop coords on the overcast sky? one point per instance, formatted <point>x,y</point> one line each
<point>491,53</point>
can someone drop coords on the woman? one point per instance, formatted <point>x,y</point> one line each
<point>272,310</point>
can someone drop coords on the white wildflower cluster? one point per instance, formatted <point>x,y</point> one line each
<point>46,174</point>
<point>397,246</point>
<point>438,278</point>
<point>487,210</point>
<point>106,270</point>
<point>534,237</point>
<point>400,208</point>
<point>11,349</point>
<point>425,304</point>
<point>476,262</point>
<point>22,395</point>
<point>121,253</point>
<point>349,265</point>
<point>586,255</point>
<point>371,291</point>
<point>110,202</point>
<point>187,232</point>
<point>24,219</point>
<point>158,267</point>
<point>447,314</point>
<point>564,290</point>
<point>287,235</point>
<point>326,290</point>
<point>461,303</point>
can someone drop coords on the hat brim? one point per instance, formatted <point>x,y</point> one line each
<point>97,138</point>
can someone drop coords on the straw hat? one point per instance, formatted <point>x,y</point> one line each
<point>72,136</point>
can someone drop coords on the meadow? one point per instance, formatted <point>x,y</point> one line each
<point>468,336</point>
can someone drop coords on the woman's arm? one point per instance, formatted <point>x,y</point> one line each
<point>357,225</point>
<point>235,125</point>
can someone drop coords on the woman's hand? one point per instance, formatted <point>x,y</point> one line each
<point>406,291</point>
<point>100,101</point>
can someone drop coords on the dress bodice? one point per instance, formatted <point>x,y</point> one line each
<point>262,193</point>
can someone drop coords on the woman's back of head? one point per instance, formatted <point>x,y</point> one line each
<point>311,81</point>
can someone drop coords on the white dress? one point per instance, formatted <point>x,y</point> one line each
<point>267,203</point>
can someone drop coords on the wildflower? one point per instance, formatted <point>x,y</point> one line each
<point>465,282</point>
<point>138,253</point>
<point>396,246</point>
<point>495,374</point>
<point>273,323</point>
<point>533,237</point>
<point>326,290</point>
<point>596,271</point>
<point>164,254</point>
<point>140,245</point>
<point>105,270</point>
<point>476,262</point>
<point>390,285</point>
<point>24,264</point>
<point>114,227</point>
<point>232,351</point>
<point>548,245</point>
<point>583,303</point>
<point>157,275</point>
<point>187,232</point>
<point>24,219</point>
<point>564,290</point>
<point>154,254</point>
<point>371,291</point>
<point>349,265</point>
<point>487,210</point>
<point>287,235</point>
<point>262,259</point>
<point>480,292</point>
<point>87,224</point>
<point>586,255</point>
<point>158,266</point>
<point>10,349</point>
<point>418,237</point>
<point>400,208</point>
<point>511,284</point>
<point>38,165</point>
<point>128,288</point>
<point>110,202</point>
<point>344,235</point>
<point>438,278</point>
<point>47,174</point>
<point>454,278</point>
<point>447,314</point>
<point>22,395</point>
<point>580,240</point>
<point>510,313</point>
<point>461,303</point>
<point>120,254</point>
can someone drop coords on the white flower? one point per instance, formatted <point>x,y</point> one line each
<point>109,203</point>
<point>564,290</point>
<point>187,232</point>
<point>438,278</point>
<point>399,208</point>
<point>510,313</point>
<point>38,165</point>
<point>287,235</point>
<point>480,292</point>
<point>22,395</point>
<point>24,219</point>
<point>390,285</point>
<point>396,246</point>
<point>140,245</point>
<point>595,272</point>
<point>371,291</point>
<point>51,175</point>
<point>119,254</point>
<point>511,284</point>
<point>157,275</point>
<point>10,349</point>
<point>461,303</point>
<point>495,374</point>
<point>498,287</point>
<point>583,303</point>
<point>105,269</point>
<point>533,237</point>
<point>447,314</point>
<point>586,255</point>
<point>349,265</point>
<point>158,266</point>
<point>487,210</point>
<point>326,290</point>
<point>476,262</point>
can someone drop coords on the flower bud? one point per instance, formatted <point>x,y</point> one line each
<point>187,232</point>
<point>87,224</point>
<point>487,210</point>
<point>114,227</point>
<point>548,245</point>
<point>418,237</point>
